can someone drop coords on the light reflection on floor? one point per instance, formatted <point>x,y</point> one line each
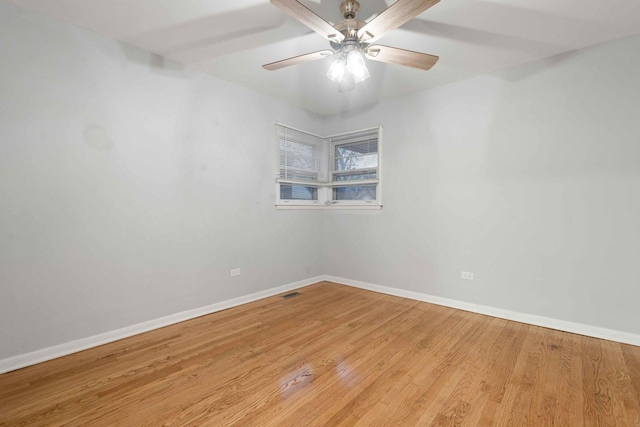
<point>348,376</point>
<point>296,380</point>
<point>299,379</point>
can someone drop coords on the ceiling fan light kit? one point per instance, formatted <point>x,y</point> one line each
<point>350,63</point>
<point>350,39</point>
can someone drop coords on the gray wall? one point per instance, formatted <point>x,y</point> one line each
<point>129,187</point>
<point>529,178</point>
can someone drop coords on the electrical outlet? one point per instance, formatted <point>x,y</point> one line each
<point>235,272</point>
<point>466,275</point>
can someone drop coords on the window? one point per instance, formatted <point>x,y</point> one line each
<point>301,166</point>
<point>339,171</point>
<point>298,192</point>
<point>355,162</point>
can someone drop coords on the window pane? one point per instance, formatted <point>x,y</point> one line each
<point>356,192</point>
<point>298,192</point>
<point>356,155</point>
<point>357,162</point>
<point>357,148</point>
<point>298,155</point>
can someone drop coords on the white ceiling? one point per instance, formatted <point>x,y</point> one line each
<point>231,39</point>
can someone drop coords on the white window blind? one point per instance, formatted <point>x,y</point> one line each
<point>300,158</point>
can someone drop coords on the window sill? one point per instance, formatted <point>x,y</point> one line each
<point>328,207</point>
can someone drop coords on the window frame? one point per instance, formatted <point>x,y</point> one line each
<point>325,183</point>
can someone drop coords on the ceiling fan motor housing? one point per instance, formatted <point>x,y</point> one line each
<point>349,28</point>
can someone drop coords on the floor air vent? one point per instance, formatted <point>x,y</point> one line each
<point>291,295</point>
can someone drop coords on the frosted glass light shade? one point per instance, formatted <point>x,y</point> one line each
<point>357,67</point>
<point>337,69</point>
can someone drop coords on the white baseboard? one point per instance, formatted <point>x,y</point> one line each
<point>561,325</point>
<point>23,360</point>
<point>20,361</point>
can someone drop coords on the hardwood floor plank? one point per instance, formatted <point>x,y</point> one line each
<point>632,362</point>
<point>626,407</point>
<point>567,404</point>
<point>543,405</point>
<point>597,392</point>
<point>335,356</point>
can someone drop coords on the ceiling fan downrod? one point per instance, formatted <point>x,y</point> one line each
<point>349,9</point>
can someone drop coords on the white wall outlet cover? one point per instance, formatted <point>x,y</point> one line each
<point>466,275</point>
<point>235,272</point>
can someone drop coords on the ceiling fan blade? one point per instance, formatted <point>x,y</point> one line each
<point>309,18</point>
<point>393,17</point>
<point>298,60</point>
<point>408,58</point>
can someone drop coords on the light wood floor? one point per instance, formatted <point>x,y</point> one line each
<point>334,356</point>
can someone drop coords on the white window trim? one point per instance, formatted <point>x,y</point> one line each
<point>325,200</point>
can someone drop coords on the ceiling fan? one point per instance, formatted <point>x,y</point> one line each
<point>351,38</point>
